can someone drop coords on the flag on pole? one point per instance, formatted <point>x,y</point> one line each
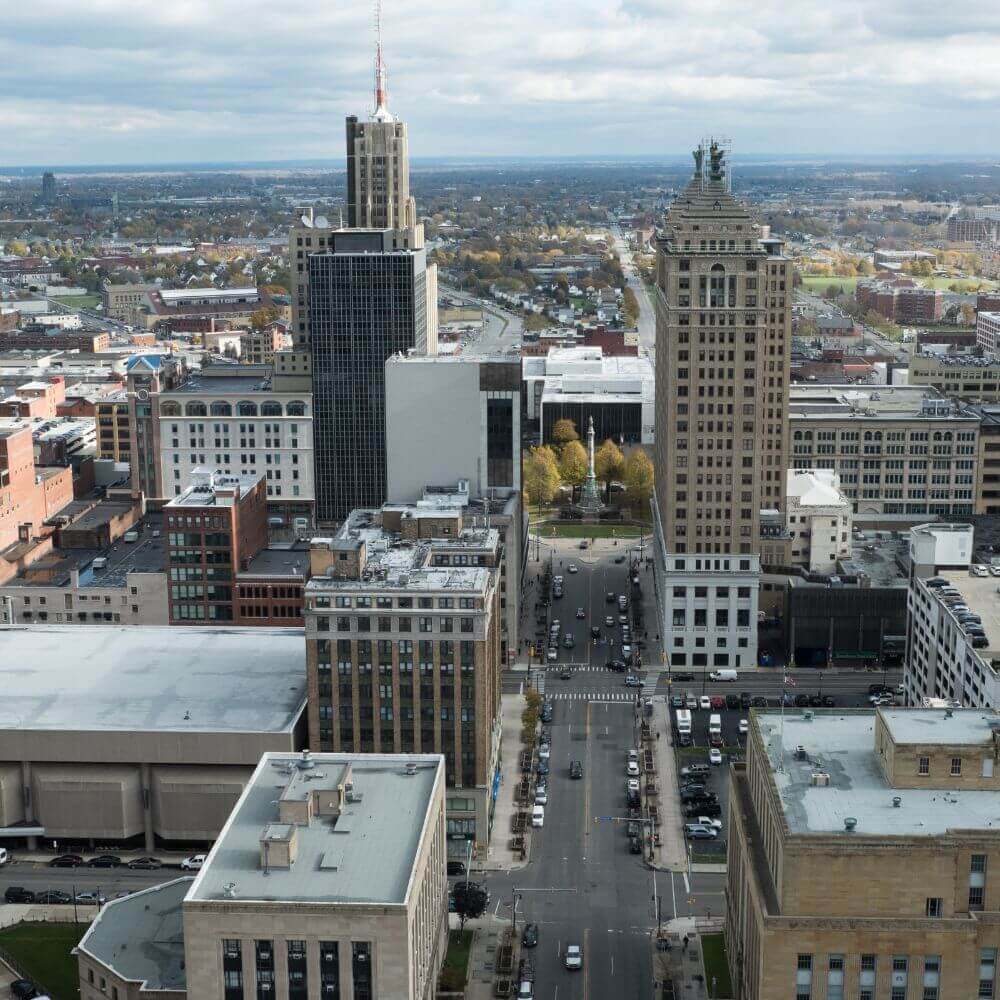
<point>788,680</point>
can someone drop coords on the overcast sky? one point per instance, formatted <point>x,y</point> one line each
<point>141,81</point>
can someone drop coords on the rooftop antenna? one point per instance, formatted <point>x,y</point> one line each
<point>381,112</point>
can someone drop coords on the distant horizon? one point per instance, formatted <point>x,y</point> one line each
<point>338,164</point>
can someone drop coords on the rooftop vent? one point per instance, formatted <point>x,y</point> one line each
<point>808,716</point>
<point>948,713</point>
<point>229,890</point>
<point>819,779</point>
<point>800,753</point>
<point>850,823</point>
<point>896,801</point>
<point>411,768</point>
<point>305,762</point>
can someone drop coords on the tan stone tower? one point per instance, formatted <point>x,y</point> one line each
<point>723,333</point>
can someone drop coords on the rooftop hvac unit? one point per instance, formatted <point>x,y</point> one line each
<point>850,824</point>
<point>819,779</point>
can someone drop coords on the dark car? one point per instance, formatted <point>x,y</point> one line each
<point>829,701</point>
<point>634,845</point>
<point>18,894</point>
<point>23,989</point>
<point>619,559</point>
<point>451,902</point>
<point>685,740</point>
<point>618,666</point>
<point>456,868</point>
<point>546,714</point>
<point>146,864</point>
<point>677,701</point>
<point>632,799</point>
<point>633,828</point>
<point>609,598</point>
<point>595,632</point>
<point>745,699</point>
<point>682,675</point>
<point>802,700</point>
<point>576,769</point>
<point>732,701</point>
<point>879,689</point>
<point>529,936</point>
<point>565,674</point>
<point>66,861</point>
<point>705,809</point>
<point>816,701</point>
<point>53,896</point>
<point>759,701</point>
<point>105,861</point>
<point>542,767</point>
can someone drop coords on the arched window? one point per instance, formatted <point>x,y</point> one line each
<point>797,436</point>
<point>220,408</point>
<point>170,409</point>
<point>937,436</point>
<point>296,408</point>
<point>244,408</point>
<point>868,435</point>
<point>717,287</point>
<point>270,409</point>
<point>808,435</point>
<point>196,410</point>
<point>946,436</point>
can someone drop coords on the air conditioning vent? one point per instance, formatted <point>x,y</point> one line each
<point>819,779</point>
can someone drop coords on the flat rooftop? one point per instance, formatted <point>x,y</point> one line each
<point>141,937</point>
<point>141,679</point>
<point>971,727</point>
<point>222,384</point>
<point>291,561</point>
<point>364,855</point>
<point>203,491</point>
<point>835,402</point>
<point>842,744</point>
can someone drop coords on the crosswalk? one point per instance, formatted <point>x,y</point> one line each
<point>592,696</point>
<point>577,668</point>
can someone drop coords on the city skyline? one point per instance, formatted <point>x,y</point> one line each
<point>639,78</point>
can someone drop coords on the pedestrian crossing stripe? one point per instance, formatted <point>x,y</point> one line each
<point>591,696</point>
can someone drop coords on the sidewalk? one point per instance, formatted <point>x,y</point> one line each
<point>499,855</point>
<point>489,932</point>
<point>671,855</point>
<point>682,966</point>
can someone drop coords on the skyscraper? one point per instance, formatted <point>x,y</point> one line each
<point>723,322</point>
<point>367,301</point>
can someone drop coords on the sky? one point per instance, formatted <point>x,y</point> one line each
<point>160,81</point>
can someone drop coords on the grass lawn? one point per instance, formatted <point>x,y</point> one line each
<point>820,282</point>
<point>78,301</point>
<point>456,961</point>
<point>571,529</point>
<point>713,947</point>
<point>43,951</point>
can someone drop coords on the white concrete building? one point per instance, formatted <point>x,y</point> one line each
<point>582,382</point>
<point>953,634</point>
<point>228,419</point>
<point>819,518</point>
<point>988,331</point>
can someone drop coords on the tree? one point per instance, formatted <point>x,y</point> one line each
<point>573,464</point>
<point>609,462</point>
<point>261,318</point>
<point>638,480</point>
<point>564,431</point>
<point>630,307</point>
<point>541,475</point>
<point>470,901</point>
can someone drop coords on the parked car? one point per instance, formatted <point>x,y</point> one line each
<point>829,701</point>
<point>715,756</point>
<point>632,769</point>
<point>695,831</point>
<point>609,621</point>
<point>802,700</point>
<point>634,845</point>
<point>576,769</point>
<point>572,568</point>
<point>746,699</point>
<point>541,796</point>
<point>146,864</point>
<point>91,898</point>
<point>538,816</point>
<point>105,861</point>
<point>695,769</point>
<point>66,861</point>
<point>744,726</point>
<point>732,702</point>
<point>529,936</point>
<point>456,868</point>
<point>816,701</point>
<point>53,896</point>
<point>23,989</point>
<point>18,894</point>
<point>632,785</point>
<point>193,863</point>
<point>546,713</point>
<point>676,701</point>
<point>704,809</point>
<point>705,703</point>
<point>683,676</point>
<point>542,767</point>
<point>715,824</point>
<point>4,856</point>
<point>717,702</point>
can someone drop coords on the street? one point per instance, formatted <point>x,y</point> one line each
<point>647,318</point>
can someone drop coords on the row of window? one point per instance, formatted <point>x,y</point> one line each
<point>244,408</point>
<point>382,601</point>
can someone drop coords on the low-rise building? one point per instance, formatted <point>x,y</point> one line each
<point>896,449</point>
<point>861,851</point>
<point>329,880</point>
<point>966,375</point>
<point>139,737</point>
<point>819,520</point>
<point>403,647</point>
<point>113,440</point>
<point>988,331</point>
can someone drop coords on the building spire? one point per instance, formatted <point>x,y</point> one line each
<point>381,112</point>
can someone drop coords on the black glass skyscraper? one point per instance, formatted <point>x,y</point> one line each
<point>366,303</point>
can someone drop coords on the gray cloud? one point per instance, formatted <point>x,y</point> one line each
<point>138,80</point>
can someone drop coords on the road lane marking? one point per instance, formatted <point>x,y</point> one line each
<point>687,885</point>
<point>586,963</point>
<point>673,894</point>
<point>586,773</point>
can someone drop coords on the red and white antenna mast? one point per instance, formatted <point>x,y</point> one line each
<point>381,91</point>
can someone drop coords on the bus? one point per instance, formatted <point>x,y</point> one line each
<point>715,730</point>
<point>684,721</point>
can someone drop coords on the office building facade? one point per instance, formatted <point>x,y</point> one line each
<point>723,314</point>
<point>367,302</point>
<point>403,649</point>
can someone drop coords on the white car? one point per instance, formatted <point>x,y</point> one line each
<point>541,797</point>
<point>633,755</point>
<point>543,751</point>
<point>995,570</point>
<point>557,580</point>
<point>633,785</point>
<point>744,726</point>
<point>715,756</point>
<point>705,702</point>
<point>538,816</point>
<point>977,569</point>
<point>574,957</point>
<point>193,863</point>
<point>553,655</point>
<point>633,769</point>
<point>715,824</point>
<point>572,568</point>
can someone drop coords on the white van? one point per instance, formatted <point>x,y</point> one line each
<point>722,675</point>
<point>4,856</point>
<point>538,816</point>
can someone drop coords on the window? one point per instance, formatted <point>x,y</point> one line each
<point>956,766</point>
<point>897,989</point>
<point>835,978</point>
<point>803,977</point>
<point>932,977</point>
<point>934,906</point>
<point>866,979</point>
<point>976,898</point>
<point>987,972</point>
<point>923,765</point>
